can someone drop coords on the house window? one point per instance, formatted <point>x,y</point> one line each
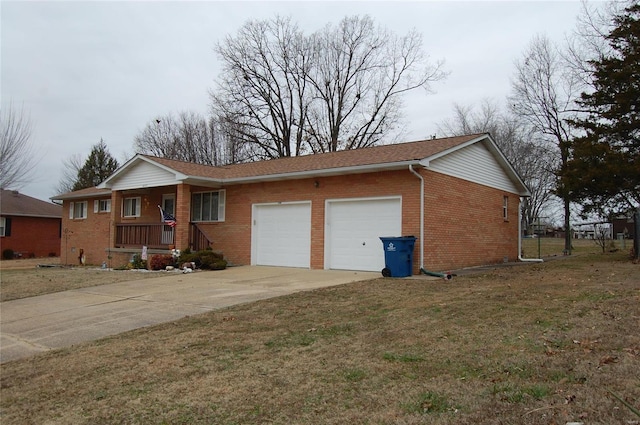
<point>131,207</point>
<point>102,206</point>
<point>3,226</point>
<point>505,208</point>
<point>208,206</point>
<point>78,210</point>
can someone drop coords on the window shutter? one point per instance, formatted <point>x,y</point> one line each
<point>96,205</point>
<point>221,201</point>
<point>7,226</point>
<point>70,209</point>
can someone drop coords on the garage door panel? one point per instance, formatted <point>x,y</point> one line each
<point>353,232</point>
<point>282,235</point>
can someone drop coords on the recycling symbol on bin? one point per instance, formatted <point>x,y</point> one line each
<point>391,247</point>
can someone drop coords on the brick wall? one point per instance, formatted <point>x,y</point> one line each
<point>464,224</point>
<point>95,234</point>
<point>233,237</point>
<point>91,235</point>
<point>33,236</point>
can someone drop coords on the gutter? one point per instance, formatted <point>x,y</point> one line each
<point>525,260</point>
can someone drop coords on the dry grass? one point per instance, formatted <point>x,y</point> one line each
<point>553,247</point>
<point>532,344</point>
<point>20,281</point>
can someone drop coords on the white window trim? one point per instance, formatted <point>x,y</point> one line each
<point>3,226</point>
<point>138,200</point>
<point>221,205</point>
<point>505,208</point>
<point>96,206</point>
<point>72,210</point>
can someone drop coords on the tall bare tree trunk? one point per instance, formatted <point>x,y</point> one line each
<point>567,226</point>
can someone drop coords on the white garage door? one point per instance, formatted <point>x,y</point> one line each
<point>353,230</point>
<point>281,235</point>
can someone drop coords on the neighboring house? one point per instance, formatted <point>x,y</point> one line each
<point>28,226</point>
<point>459,196</point>
<point>623,227</point>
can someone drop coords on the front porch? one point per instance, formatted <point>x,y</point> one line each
<point>158,236</point>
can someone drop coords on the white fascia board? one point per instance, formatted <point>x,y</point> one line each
<point>511,172</point>
<point>81,196</point>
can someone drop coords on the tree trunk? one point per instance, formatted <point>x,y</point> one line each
<point>636,235</point>
<point>567,227</point>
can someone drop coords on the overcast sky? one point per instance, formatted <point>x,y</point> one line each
<point>88,70</point>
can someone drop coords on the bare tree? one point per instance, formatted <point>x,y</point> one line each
<point>360,72</point>
<point>230,147</point>
<point>71,167</point>
<point>588,41</point>
<point>543,93</point>
<point>17,156</point>
<point>187,137</point>
<point>531,160</point>
<point>339,88</point>
<point>602,235</point>
<point>262,92</point>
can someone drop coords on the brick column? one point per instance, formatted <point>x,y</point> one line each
<point>183,215</point>
<point>116,208</point>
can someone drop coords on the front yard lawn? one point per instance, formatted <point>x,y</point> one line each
<point>532,344</point>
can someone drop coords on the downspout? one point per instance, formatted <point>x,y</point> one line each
<point>527,260</point>
<point>445,276</point>
<point>421,214</point>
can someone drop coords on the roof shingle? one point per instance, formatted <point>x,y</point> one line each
<point>343,159</point>
<point>14,203</point>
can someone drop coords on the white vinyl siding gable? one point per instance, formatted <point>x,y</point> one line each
<point>476,164</point>
<point>144,174</point>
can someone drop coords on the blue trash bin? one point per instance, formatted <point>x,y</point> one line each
<point>398,256</point>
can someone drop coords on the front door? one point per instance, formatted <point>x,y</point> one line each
<point>169,206</point>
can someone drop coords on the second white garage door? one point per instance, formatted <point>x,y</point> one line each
<point>281,235</point>
<point>353,229</point>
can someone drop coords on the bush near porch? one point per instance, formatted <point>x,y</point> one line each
<point>206,259</point>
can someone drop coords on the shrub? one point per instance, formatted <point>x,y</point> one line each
<point>205,259</point>
<point>137,262</point>
<point>160,262</point>
<point>7,254</point>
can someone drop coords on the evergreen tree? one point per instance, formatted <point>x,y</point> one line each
<point>604,170</point>
<point>98,166</point>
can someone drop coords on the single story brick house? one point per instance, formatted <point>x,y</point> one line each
<point>28,226</point>
<point>459,196</point>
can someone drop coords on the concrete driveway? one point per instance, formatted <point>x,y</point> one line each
<point>32,325</point>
